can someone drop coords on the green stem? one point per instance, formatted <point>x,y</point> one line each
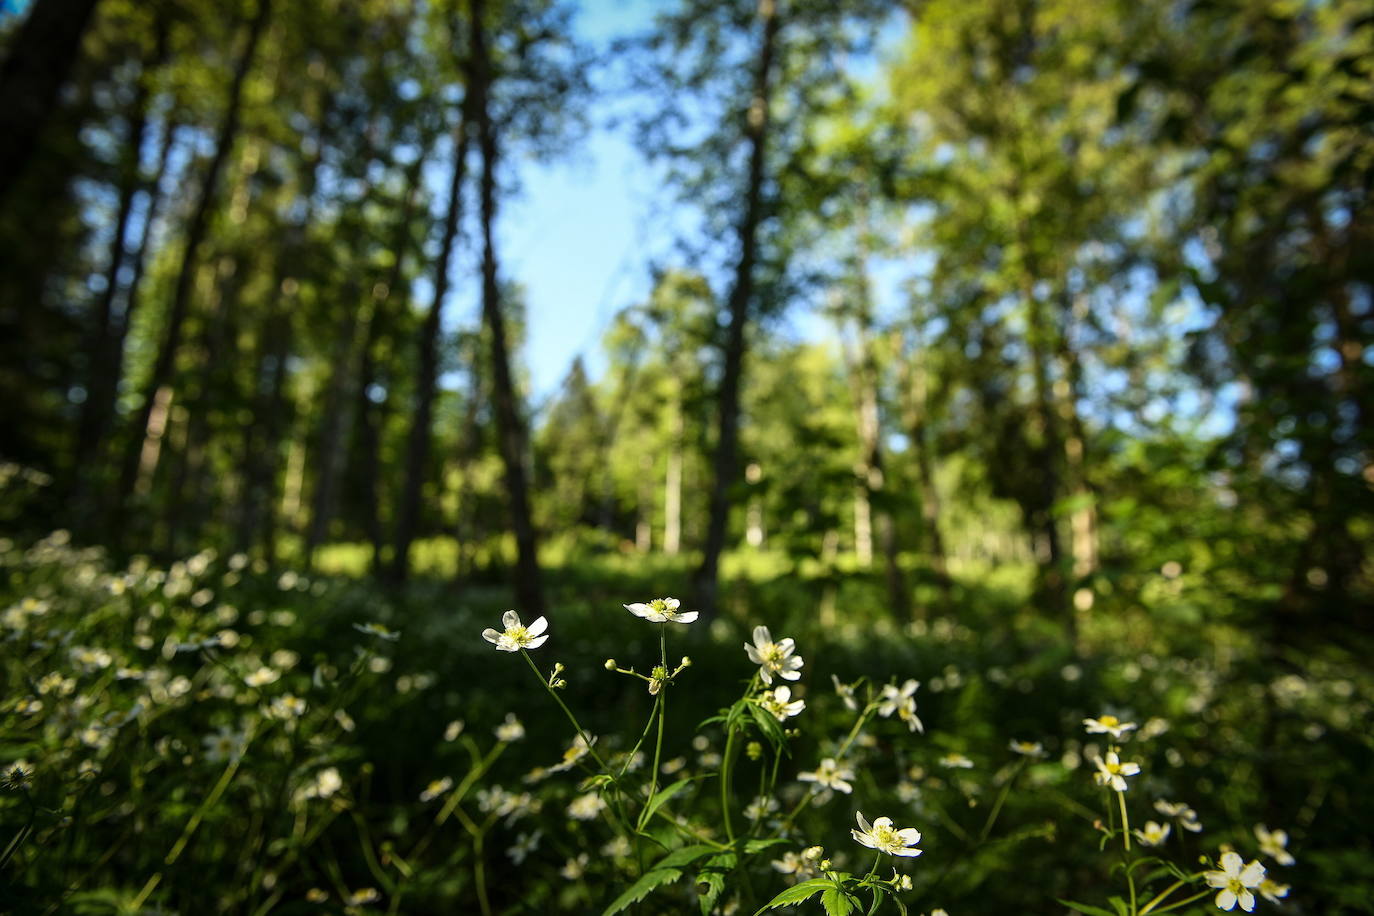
<point>1125,820</point>
<point>1184,902</point>
<point>727,763</point>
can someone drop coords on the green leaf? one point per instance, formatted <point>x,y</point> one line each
<point>1084,908</point>
<point>798,893</point>
<point>715,884</point>
<point>684,856</point>
<point>661,796</point>
<point>1119,905</point>
<point>837,902</point>
<point>769,725</point>
<point>641,888</point>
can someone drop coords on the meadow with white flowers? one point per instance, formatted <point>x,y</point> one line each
<point>212,737</point>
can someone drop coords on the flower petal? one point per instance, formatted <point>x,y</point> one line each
<point>491,635</point>
<point>638,609</point>
<point>761,636</point>
<point>536,642</point>
<point>510,620</point>
<point>687,617</point>
<point>539,626</point>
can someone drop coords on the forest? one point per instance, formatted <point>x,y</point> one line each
<point>988,429</point>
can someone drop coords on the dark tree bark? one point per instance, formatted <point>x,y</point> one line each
<point>741,296</point>
<point>427,371</point>
<point>41,57</point>
<point>196,230</point>
<point>510,429</point>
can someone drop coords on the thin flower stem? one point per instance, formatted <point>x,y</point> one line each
<point>1125,820</point>
<point>659,713</point>
<point>727,764</point>
<point>1161,896</point>
<point>577,726</point>
<point>1184,902</point>
<point>997,805</point>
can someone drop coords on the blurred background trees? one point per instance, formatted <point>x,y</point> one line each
<point>1074,292</point>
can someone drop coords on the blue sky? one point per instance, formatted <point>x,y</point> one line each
<point>580,235</point>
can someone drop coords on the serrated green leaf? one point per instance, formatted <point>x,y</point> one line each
<point>837,902</point>
<point>641,888</point>
<point>684,856</point>
<point>725,861</point>
<point>715,884</point>
<point>797,893</point>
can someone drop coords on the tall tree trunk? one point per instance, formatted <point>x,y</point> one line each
<point>509,427</point>
<point>1047,451</point>
<point>41,57</point>
<point>916,400</point>
<point>741,296</point>
<point>111,329</point>
<point>427,371</point>
<point>1068,389</point>
<point>672,484</point>
<point>335,423</point>
<point>101,384</point>
<point>196,230</point>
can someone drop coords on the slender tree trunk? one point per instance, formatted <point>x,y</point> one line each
<point>336,419</point>
<point>1046,454</point>
<point>112,330</point>
<point>510,428</point>
<point>41,56</point>
<point>1083,518</point>
<point>741,296</point>
<point>427,370</point>
<point>101,382</point>
<point>672,484</point>
<point>196,230</point>
<point>917,408</point>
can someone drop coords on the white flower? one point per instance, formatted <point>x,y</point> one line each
<point>1153,835</point>
<point>881,836</point>
<point>287,706</point>
<point>575,752</point>
<point>436,788</point>
<point>1028,748</point>
<point>325,784</point>
<point>804,864</point>
<point>1271,890</point>
<point>760,807</point>
<point>779,702</point>
<point>378,630</point>
<point>510,730</point>
<point>902,701</point>
<point>262,677</point>
<point>1274,843</point>
<point>224,745</point>
<point>586,807</point>
<point>1113,771</point>
<point>830,775</point>
<point>525,844</point>
<point>955,761</point>
<point>454,729</point>
<point>846,692</point>
<point>660,610</point>
<point>774,657</point>
<point>517,636</point>
<point>574,869</point>
<point>1187,817</point>
<point>1235,881</point>
<point>1107,725</point>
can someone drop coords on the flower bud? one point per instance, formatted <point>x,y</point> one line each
<point>610,664</point>
<point>686,662</point>
<point>753,750</point>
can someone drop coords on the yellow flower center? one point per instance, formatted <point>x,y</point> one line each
<point>1110,721</point>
